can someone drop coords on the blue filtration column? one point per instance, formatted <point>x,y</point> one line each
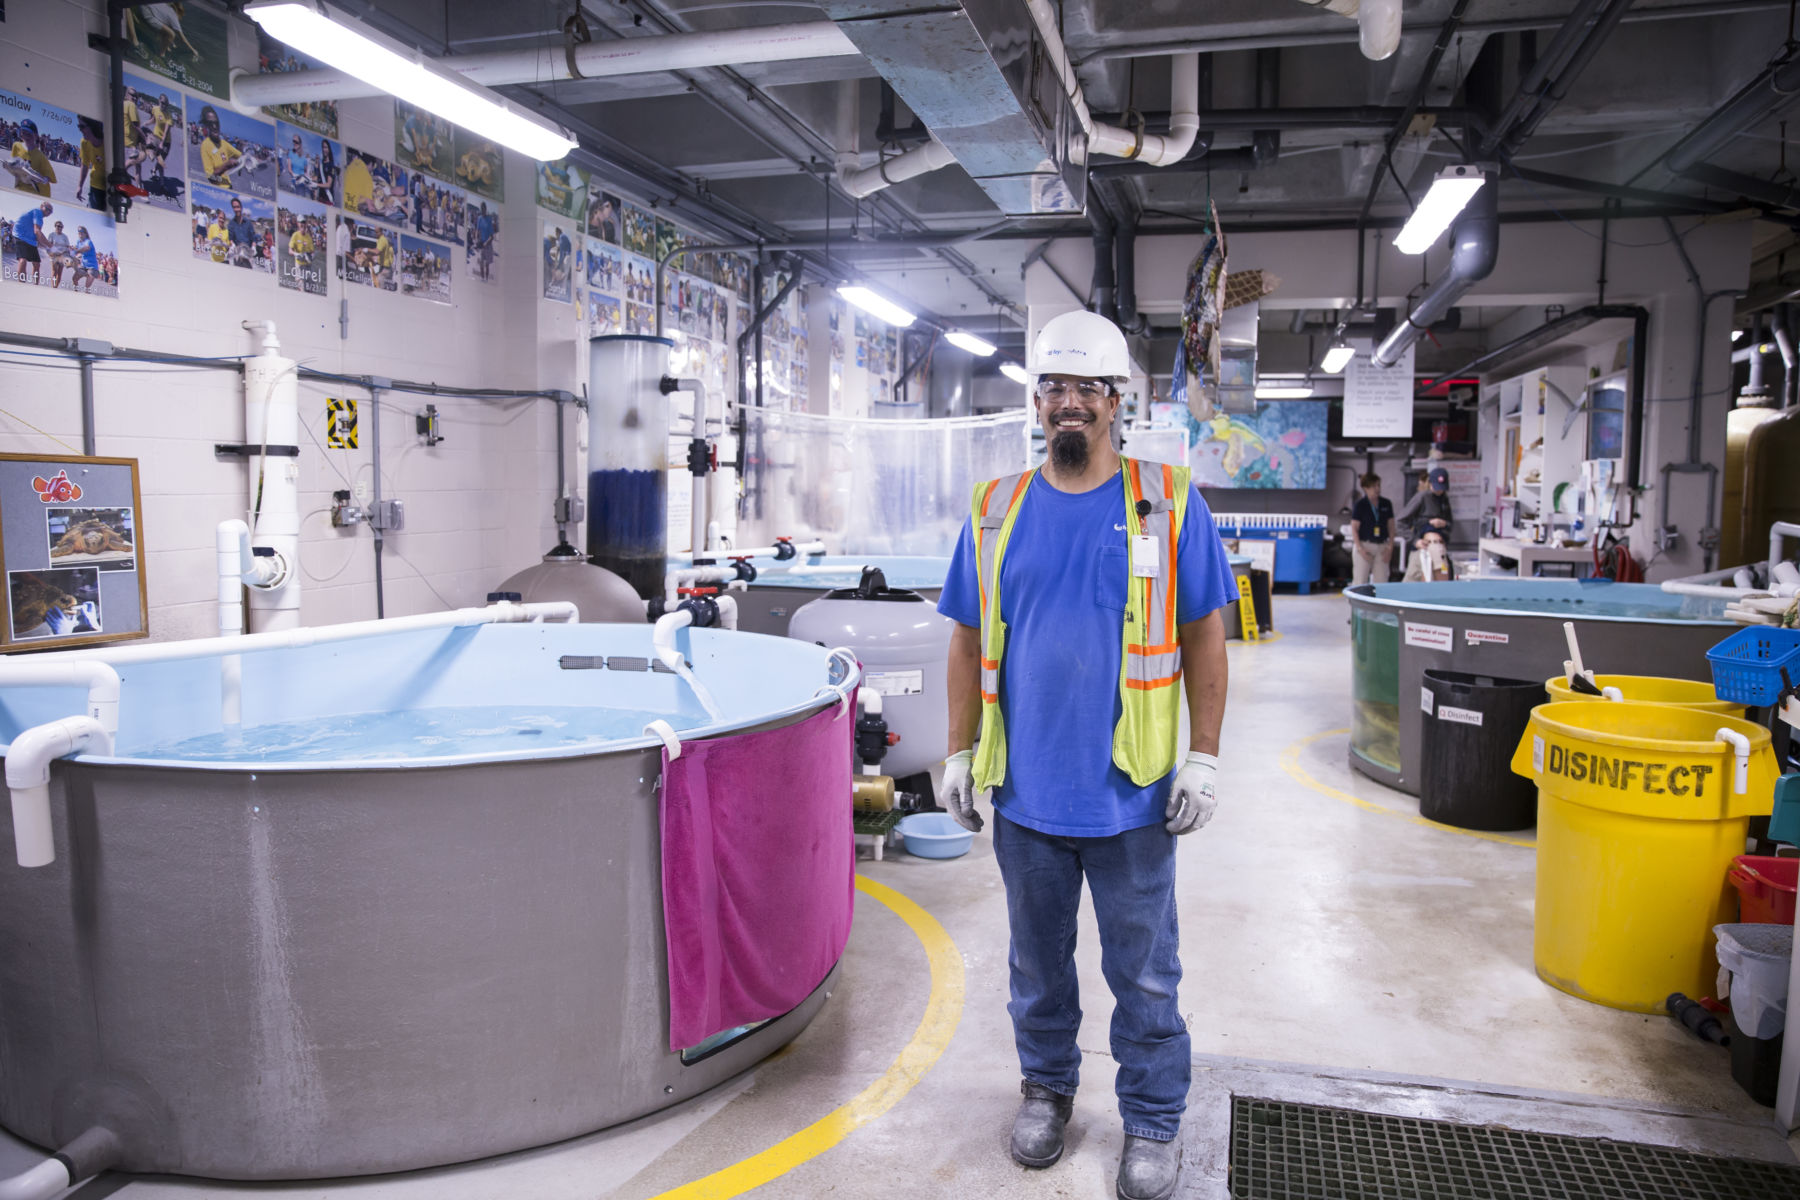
<point>628,459</point>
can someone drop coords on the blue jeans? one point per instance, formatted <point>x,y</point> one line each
<point>1132,878</point>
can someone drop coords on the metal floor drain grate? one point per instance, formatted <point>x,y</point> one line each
<point>1283,1151</point>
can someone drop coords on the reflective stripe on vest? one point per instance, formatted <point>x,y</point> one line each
<point>1150,663</point>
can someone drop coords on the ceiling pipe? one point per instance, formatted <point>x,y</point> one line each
<point>1557,88</point>
<point>1773,90</point>
<point>1265,142</point>
<point>1475,238</point>
<point>1184,101</point>
<point>1377,23</point>
<point>1103,291</point>
<point>551,61</point>
<point>908,164</point>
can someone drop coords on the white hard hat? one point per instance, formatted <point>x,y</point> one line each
<point>1083,344</point>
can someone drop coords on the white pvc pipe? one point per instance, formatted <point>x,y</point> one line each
<point>28,779</point>
<point>1778,532</point>
<point>1159,150</point>
<point>920,160</point>
<point>504,612</point>
<point>593,60</point>
<point>728,612</point>
<point>801,550</point>
<point>41,1182</point>
<point>1740,779</point>
<point>682,577</point>
<point>100,680</point>
<point>1378,28</point>
<point>272,418</point>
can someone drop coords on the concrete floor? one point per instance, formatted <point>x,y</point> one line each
<point>1332,950</point>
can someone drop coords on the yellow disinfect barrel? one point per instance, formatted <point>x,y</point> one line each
<point>1689,693</point>
<point>1641,808</point>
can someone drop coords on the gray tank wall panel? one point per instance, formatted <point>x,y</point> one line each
<point>1535,649</point>
<point>294,975</point>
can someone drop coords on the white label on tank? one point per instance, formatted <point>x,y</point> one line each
<point>1537,753</point>
<point>1425,700</point>
<point>1462,716</point>
<point>1475,637</point>
<point>1430,637</point>
<point>895,683</point>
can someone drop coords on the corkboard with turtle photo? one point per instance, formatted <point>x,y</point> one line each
<point>71,557</point>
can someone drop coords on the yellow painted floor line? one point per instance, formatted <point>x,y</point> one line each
<point>1290,762</point>
<point>943,1010</point>
<point>1273,635</point>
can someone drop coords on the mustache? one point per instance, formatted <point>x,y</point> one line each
<point>1075,413</point>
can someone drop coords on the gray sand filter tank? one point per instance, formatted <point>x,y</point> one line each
<point>601,596</point>
<point>628,459</point>
<point>903,643</point>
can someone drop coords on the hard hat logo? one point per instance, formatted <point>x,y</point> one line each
<point>1084,344</point>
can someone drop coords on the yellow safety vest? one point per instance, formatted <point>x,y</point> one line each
<point>1150,666</point>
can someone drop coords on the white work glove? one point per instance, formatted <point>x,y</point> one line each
<point>959,790</point>
<point>1191,799</point>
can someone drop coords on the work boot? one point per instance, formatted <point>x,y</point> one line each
<point>1037,1133</point>
<point>1148,1168</point>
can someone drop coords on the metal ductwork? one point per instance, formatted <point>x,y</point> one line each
<point>1775,88</point>
<point>1475,238</point>
<point>973,75</point>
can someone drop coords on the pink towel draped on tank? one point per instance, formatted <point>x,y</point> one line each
<point>759,866</point>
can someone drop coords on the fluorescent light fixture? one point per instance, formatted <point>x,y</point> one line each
<point>979,347</point>
<point>1338,356</point>
<point>876,305</point>
<point>1450,193</point>
<point>1016,373</point>
<point>340,41</point>
<point>1297,389</point>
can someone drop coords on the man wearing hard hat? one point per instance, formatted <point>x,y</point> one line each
<point>1087,594</point>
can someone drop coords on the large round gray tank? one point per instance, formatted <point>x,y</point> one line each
<point>903,643</point>
<point>602,596</point>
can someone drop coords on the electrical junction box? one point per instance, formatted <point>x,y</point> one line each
<point>387,515</point>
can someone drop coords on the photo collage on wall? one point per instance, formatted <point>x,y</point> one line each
<point>51,233</point>
<point>69,551</point>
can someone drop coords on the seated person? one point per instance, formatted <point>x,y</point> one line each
<point>1431,563</point>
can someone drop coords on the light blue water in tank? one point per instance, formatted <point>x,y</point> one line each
<point>415,733</point>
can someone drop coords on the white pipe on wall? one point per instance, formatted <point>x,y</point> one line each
<point>272,418</point>
<point>593,60</point>
<point>100,680</point>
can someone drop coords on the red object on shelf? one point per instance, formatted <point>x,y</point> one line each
<point>1766,888</point>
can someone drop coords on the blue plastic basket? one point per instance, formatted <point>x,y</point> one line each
<point>1746,667</point>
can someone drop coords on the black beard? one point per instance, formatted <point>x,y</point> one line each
<point>1069,450</point>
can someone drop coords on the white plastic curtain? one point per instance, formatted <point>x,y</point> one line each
<point>868,486</point>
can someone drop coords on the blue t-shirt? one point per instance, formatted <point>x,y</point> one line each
<point>27,227</point>
<point>1062,596</point>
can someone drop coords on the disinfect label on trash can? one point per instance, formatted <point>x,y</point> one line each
<point>1537,753</point>
<point>1462,716</point>
<point>1430,637</point>
<point>1425,700</point>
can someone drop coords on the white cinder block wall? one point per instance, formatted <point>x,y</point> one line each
<point>477,506</point>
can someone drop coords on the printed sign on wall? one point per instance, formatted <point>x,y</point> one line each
<point>340,423</point>
<point>70,555</point>
<point>1378,401</point>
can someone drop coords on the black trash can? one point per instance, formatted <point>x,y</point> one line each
<point>1472,725</point>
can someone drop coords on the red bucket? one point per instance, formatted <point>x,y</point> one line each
<point>1765,887</point>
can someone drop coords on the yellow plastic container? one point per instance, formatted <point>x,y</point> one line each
<point>1653,689</point>
<point>1640,812</point>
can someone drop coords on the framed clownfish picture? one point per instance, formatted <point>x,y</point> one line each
<point>71,552</point>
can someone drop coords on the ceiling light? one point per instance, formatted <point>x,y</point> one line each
<point>1338,356</point>
<point>1737,335</point>
<point>979,347</point>
<point>1450,193</point>
<point>1016,373</point>
<point>340,41</point>
<point>1296,389</point>
<point>876,305</point>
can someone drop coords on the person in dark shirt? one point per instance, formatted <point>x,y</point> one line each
<point>1429,509</point>
<point>1371,533</point>
<point>242,231</point>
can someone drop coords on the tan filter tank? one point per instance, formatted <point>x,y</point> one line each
<point>602,597</point>
<point>1739,541</point>
<point>1771,480</point>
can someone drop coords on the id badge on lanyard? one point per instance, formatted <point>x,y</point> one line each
<point>1146,556</point>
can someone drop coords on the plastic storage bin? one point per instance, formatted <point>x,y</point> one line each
<point>1640,814</point>
<point>1472,725</point>
<point>1765,888</point>
<point>1652,689</point>
<point>1757,958</point>
<point>1746,666</point>
<point>1299,542</point>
